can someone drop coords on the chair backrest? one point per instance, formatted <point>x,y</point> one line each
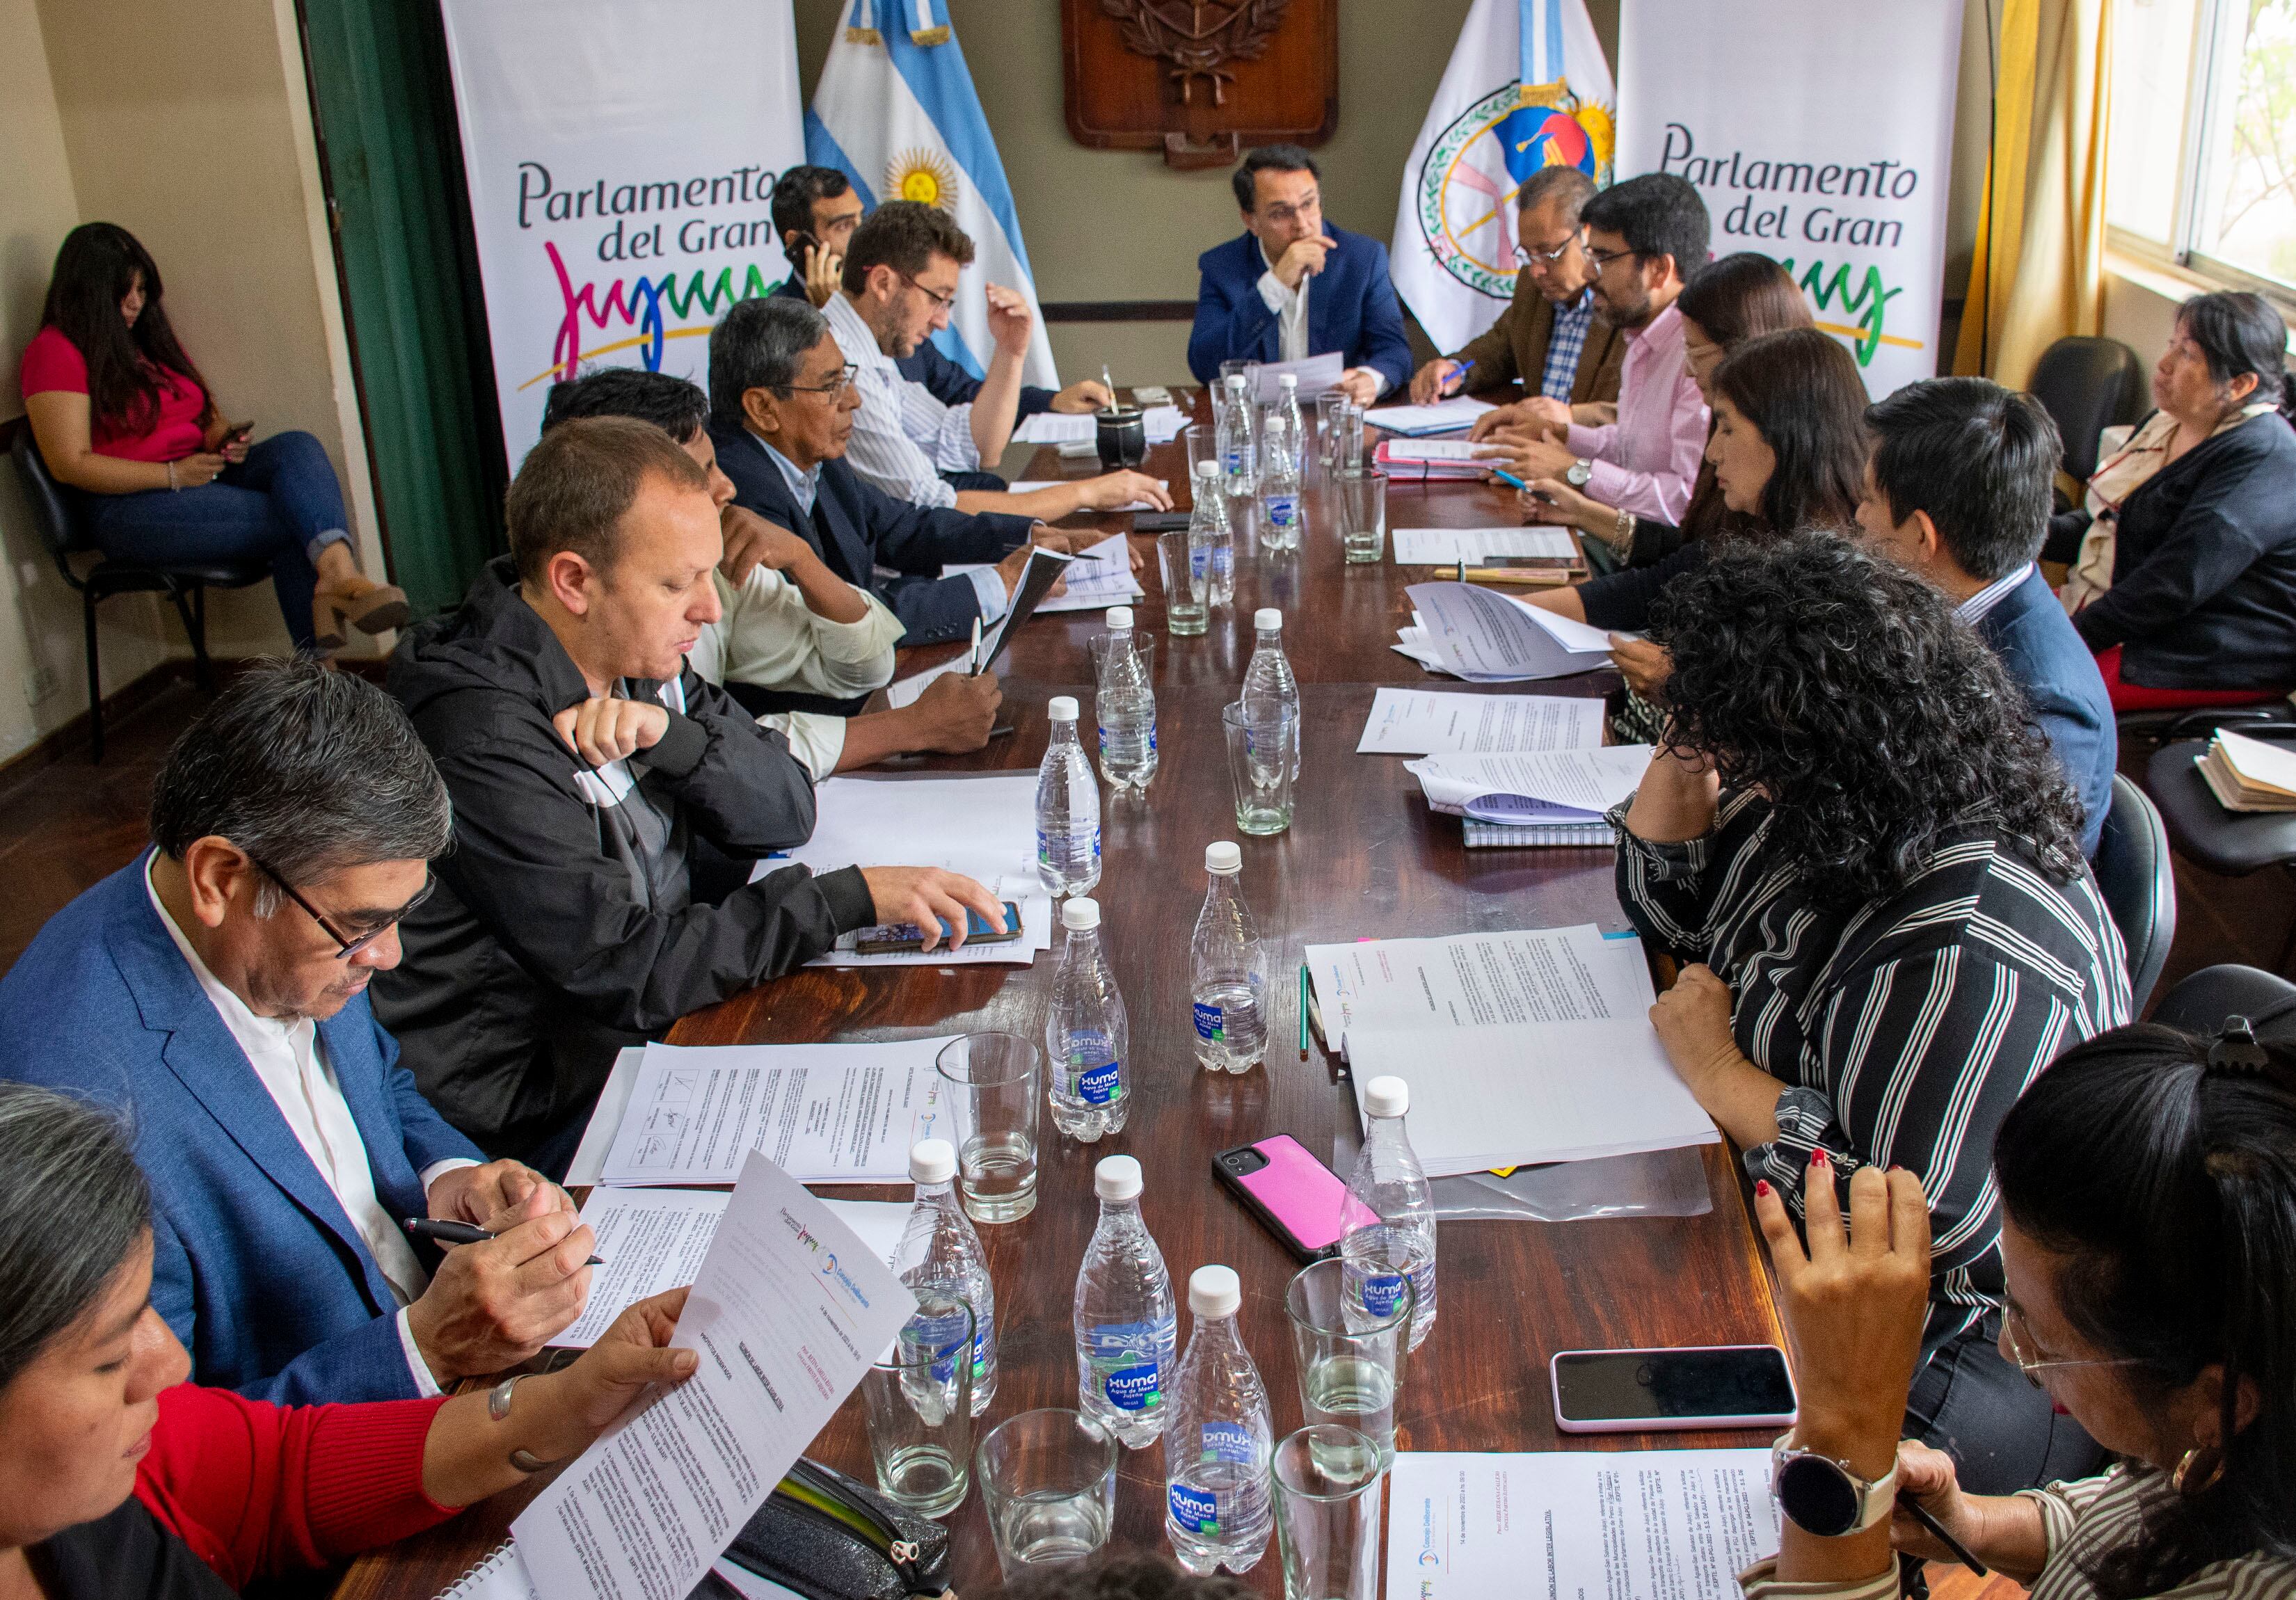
<point>2133,874</point>
<point>2087,385</point>
<point>60,531</point>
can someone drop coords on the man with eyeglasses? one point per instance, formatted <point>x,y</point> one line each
<point>1292,285</point>
<point>898,283</point>
<point>215,991</point>
<point>1548,338</point>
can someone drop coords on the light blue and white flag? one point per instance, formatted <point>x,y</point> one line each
<point>896,113</point>
<point>1486,131</point>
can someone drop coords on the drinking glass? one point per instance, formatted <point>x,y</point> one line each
<point>999,1076</point>
<point>919,1398</point>
<point>1360,494</point>
<point>1327,1503</point>
<point>1202,444</point>
<point>1048,1480</point>
<point>1350,1365</point>
<point>1260,766</point>
<point>1327,428</point>
<point>1347,436</point>
<point>1187,594</point>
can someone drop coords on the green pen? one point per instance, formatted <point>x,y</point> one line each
<point>1303,1011</point>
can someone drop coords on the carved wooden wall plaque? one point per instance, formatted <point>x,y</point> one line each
<point>1200,79</point>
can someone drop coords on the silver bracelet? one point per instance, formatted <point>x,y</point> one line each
<point>173,487</point>
<point>498,1408</point>
<point>1625,540</point>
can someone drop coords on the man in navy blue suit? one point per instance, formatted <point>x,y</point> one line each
<point>215,991</point>
<point>1958,490</point>
<point>1293,286</point>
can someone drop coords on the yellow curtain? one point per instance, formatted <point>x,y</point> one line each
<point>2038,273</point>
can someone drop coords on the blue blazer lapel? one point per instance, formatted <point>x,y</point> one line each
<point>1323,302</point>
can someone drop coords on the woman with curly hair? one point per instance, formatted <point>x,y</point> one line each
<point>1866,851</point>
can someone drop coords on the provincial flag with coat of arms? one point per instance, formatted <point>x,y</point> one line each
<point>896,111</point>
<point>1487,132</point>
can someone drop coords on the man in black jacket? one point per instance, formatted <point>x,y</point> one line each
<point>584,759</point>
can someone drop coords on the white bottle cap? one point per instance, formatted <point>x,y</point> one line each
<point>1117,1178</point>
<point>931,1161</point>
<point>1063,709</point>
<point>1222,856</point>
<point>1386,1097</point>
<point>1234,382</point>
<point>1215,1292</point>
<point>1208,469</point>
<point>1119,616</point>
<point>1080,913</point>
<point>1267,617</point>
<point>1287,381</point>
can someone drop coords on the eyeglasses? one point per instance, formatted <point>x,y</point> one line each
<point>2032,1368</point>
<point>942,300</point>
<point>837,386</point>
<point>1285,215</point>
<point>1524,255</point>
<point>1603,257</point>
<point>353,943</point>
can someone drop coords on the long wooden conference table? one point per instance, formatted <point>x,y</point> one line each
<point>1363,858</point>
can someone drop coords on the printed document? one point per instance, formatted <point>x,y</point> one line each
<point>653,1239</point>
<point>1093,585</point>
<point>1317,374</point>
<point>1440,417</point>
<point>1556,786</point>
<point>787,1313</point>
<point>1477,980</point>
<point>1426,722</point>
<point>825,1113</point>
<point>1492,638</point>
<point>1577,1524</point>
<point>1447,546</point>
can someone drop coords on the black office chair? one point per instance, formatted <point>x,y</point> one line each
<point>2199,722</point>
<point>2133,874</point>
<point>2087,385</point>
<point>2200,1003</point>
<point>2232,844</point>
<point>65,533</point>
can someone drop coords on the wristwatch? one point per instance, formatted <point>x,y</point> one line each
<point>1577,473</point>
<point>1822,1495</point>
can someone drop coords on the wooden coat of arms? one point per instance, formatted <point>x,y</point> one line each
<point>1199,79</point>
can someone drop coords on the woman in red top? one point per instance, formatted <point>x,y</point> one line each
<point>121,415</point>
<point>120,1480</point>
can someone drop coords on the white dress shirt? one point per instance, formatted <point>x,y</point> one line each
<point>902,436</point>
<point>1291,308</point>
<point>289,1060</point>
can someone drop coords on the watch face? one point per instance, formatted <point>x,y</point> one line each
<point>1818,1495</point>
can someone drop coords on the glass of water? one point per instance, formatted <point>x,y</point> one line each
<point>1361,496</point>
<point>998,1079</point>
<point>919,1398</point>
<point>1259,765</point>
<point>1349,1365</point>
<point>1048,1479</point>
<point>1187,593</point>
<point>1327,1504</point>
<point>1202,444</point>
<point>1327,424</point>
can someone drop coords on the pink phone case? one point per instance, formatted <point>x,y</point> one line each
<point>1300,1194</point>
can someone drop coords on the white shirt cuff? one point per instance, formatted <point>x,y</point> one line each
<point>436,1170</point>
<point>1272,292</point>
<point>426,1387</point>
<point>988,585</point>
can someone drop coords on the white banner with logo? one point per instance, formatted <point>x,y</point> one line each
<point>1819,134</point>
<point>621,156</point>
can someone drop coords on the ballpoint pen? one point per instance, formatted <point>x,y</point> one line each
<point>1915,1509</point>
<point>1460,377</point>
<point>459,1232</point>
<point>972,656</point>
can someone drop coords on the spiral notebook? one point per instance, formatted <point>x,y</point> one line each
<point>501,1576</point>
<point>1485,835</point>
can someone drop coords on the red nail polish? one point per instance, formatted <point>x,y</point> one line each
<point>1762,1187</point>
<point>1817,1158</point>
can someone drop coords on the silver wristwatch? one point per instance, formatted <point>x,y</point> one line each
<point>1822,1496</point>
<point>1577,473</point>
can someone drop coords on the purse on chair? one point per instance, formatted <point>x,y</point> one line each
<point>828,1537</point>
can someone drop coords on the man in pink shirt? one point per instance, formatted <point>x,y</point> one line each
<point>1645,237</point>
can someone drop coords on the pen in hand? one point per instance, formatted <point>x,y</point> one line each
<point>1915,1509</point>
<point>459,1232</point>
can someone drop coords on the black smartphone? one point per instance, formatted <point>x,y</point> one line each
<point>239,432</point>
<point>1295,1196</point>
<point>1645,1390</point>
<point>891,938</point>
<point>1159,521</point>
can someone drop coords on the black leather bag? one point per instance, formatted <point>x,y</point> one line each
<point>828,1537</point>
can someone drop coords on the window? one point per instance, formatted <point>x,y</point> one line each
<point>2202,161</point>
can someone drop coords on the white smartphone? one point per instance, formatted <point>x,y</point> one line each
<point>1649,1390</point>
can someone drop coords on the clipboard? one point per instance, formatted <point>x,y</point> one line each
<point>1044,570</point>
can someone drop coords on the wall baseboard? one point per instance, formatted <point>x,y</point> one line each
<point>71,738</point>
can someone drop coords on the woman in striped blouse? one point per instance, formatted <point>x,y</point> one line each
<point>2147,1184</point>
<point>1860,841</point>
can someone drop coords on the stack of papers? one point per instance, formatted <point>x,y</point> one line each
<point>1056,428</point>
<point>1448,546</point>
<point>1432,458</point>
<point>1444,416</point>
<point>1093,585</point>
<point>1164,424</point>
<point>1315,375</point>
<point>1491,638</point>
<point>1427,722</point>
<point>1574,786</point>
<point>2248,774</point>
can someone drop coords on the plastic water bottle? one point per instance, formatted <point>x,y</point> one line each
<point>1067,808</point>
<point>1282,512</point>
<point>1217,1443</point>
<point>1125,1326</point>
<point>1227,970</point>
<point>1211,540</point>
<point>1239,451</point>
<point>1399,1240</point>
<point>1087,1039</point>
<point>1125,705</point>
<point>1267,680</point>
<point>939,1252</point>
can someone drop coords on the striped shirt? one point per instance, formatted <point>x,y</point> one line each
<point>1568,338</point>
<point>902,436</point>
<point>1903,1029</point>
<point>2080,1520</point>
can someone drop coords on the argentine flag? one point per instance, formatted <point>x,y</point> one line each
<point>1488,130</point>
<point>896,113</point>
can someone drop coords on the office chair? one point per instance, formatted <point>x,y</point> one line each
<point>2232,844</point>
<point>2140,891</point>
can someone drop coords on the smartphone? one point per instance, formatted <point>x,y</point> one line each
<point>1295,1196</point>
<point>239,432</point>
<point>1637,1392</point>
<point>891,938</point>
<point>1159,521</point>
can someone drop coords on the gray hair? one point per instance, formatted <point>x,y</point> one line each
<point>305,769</point>
<point>1566,186</point>
<point>73,1206</point>
<point>758,344</point>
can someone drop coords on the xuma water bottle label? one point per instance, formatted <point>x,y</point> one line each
<point>1383,1293</point>
<point>1087,834</point>
<point>1229,1442</point>
<point>980,1355</point>
<point>1133,1388</point>
<point>1283,511</point>
<point>1200,561</point>
<point>944,1336</point>
<point>1195,1509</point>
<point>1211,1023</point>
<point>1101,1085</point>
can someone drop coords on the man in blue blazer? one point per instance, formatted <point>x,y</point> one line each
<point>214,991</point>
<point>1293,286</point>
<point>1958,490</point>
<point>781,408</point>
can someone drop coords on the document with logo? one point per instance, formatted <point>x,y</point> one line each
<point>787,1313</point>
<point>1428,722</point>
<point>1577,1524</point>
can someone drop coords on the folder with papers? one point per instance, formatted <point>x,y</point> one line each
<point>2248,774</point>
